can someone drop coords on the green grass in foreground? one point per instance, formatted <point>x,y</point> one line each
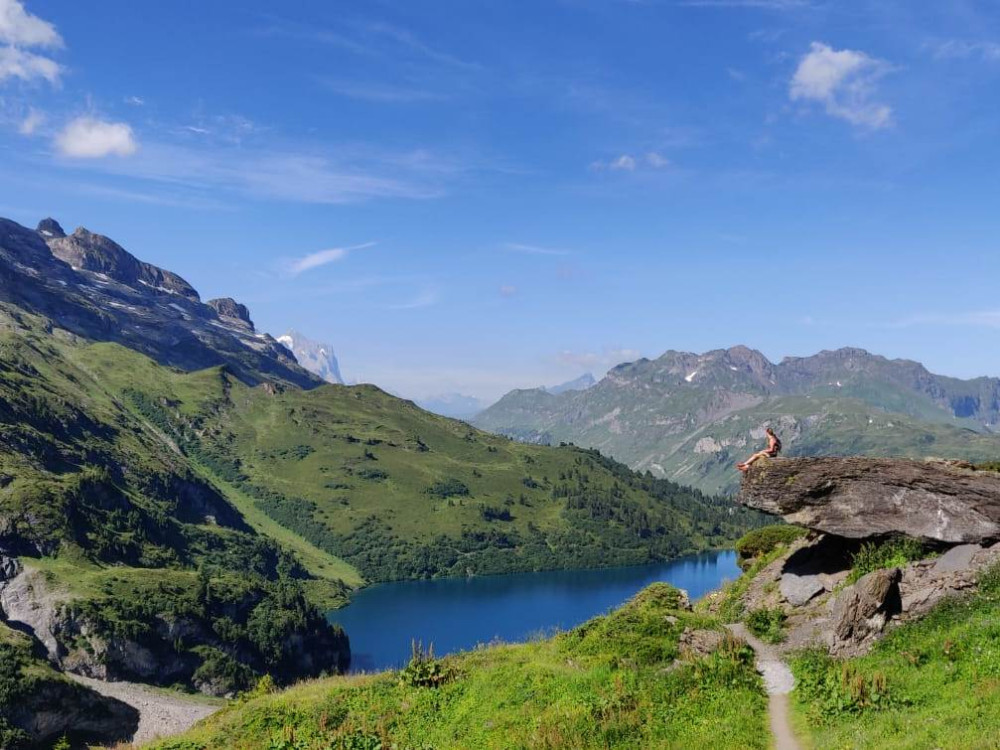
<point>931,684</point>
<point>606,684</point>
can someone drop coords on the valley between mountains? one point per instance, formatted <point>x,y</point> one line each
<point>180,501</point>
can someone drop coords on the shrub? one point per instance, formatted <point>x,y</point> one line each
<point>764,540</point>
<point>888,554</point>
<point>767,624</point>
<point>424,670</point>
<point>448,488</point>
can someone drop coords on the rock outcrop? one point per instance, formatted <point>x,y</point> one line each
<point>860,498</point>
<point>861,613</point>
<point>90,286</point>
<point>95,252</point>
<point>949,506</point>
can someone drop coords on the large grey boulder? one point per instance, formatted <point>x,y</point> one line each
<point>861,611</point>
<point>858,498</point>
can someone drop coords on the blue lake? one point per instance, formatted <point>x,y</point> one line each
<point>457,614</point>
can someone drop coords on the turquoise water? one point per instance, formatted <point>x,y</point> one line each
<point>456,614</point>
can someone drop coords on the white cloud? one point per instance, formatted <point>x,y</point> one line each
<point>89,138</point>
<point>135,101</point>
<point>18,63</point>
<point>844,82</point>
<point>517,247</point>
<point>321,258</point>
<point>18,27</point>
<point>31,123</point>
<point>508,290</point>
<point>630,163</point>
<point>962,49</point>
<point>623,162</point>
<point>656,161</point>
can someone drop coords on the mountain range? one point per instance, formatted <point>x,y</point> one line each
<point>690,417</point>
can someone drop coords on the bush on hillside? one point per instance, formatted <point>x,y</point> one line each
<point>761,541</point>
<point>892,553</point>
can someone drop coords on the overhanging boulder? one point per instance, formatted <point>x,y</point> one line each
<point>857,498</point>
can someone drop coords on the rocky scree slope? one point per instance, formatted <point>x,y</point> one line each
<point>690,417</point>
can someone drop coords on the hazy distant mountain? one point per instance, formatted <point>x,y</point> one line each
<point>455,405</point>
<point>581,383</point>
<point>689,417</point>
<point>315,356</point>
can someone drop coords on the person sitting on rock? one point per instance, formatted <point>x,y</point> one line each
<point>772,451</point>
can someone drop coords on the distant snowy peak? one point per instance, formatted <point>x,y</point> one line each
<point>315,356</point>
<point>581,383</point>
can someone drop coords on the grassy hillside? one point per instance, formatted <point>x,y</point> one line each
<point>931,684</point>
<point>396,492</point>
<point>611,683</point>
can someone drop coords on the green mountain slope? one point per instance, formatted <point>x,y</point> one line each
<point>691,417</point>
<point>398,492</point>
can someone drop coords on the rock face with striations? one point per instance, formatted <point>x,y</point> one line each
<point>94,288</point>
<point>858,498</point>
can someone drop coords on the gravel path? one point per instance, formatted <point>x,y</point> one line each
<point>160,715</point>
<point>778,681</point>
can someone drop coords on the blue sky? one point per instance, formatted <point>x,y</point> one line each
<point>475,195</point>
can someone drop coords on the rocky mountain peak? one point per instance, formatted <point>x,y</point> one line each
<point>50,229</point>
<point>227,307</point>
<point>314,356</point>
<point>94,252</point>
<point>91,286</point>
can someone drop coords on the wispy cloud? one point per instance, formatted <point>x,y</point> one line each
<point>381,93</point>
<point>517,247</point>
<point>32,121</point>
<point>508,290</point>
<point>844,82</point>
<point>976,319</point>
<point>262,170</point>
<point>964,49</point>
<point>630,163</point>
<point>758,4</point>
<point>425,298</point>
<point>321,258</point>
<point>135,101</point>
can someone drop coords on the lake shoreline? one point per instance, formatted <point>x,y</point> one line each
<point>461,613</point>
